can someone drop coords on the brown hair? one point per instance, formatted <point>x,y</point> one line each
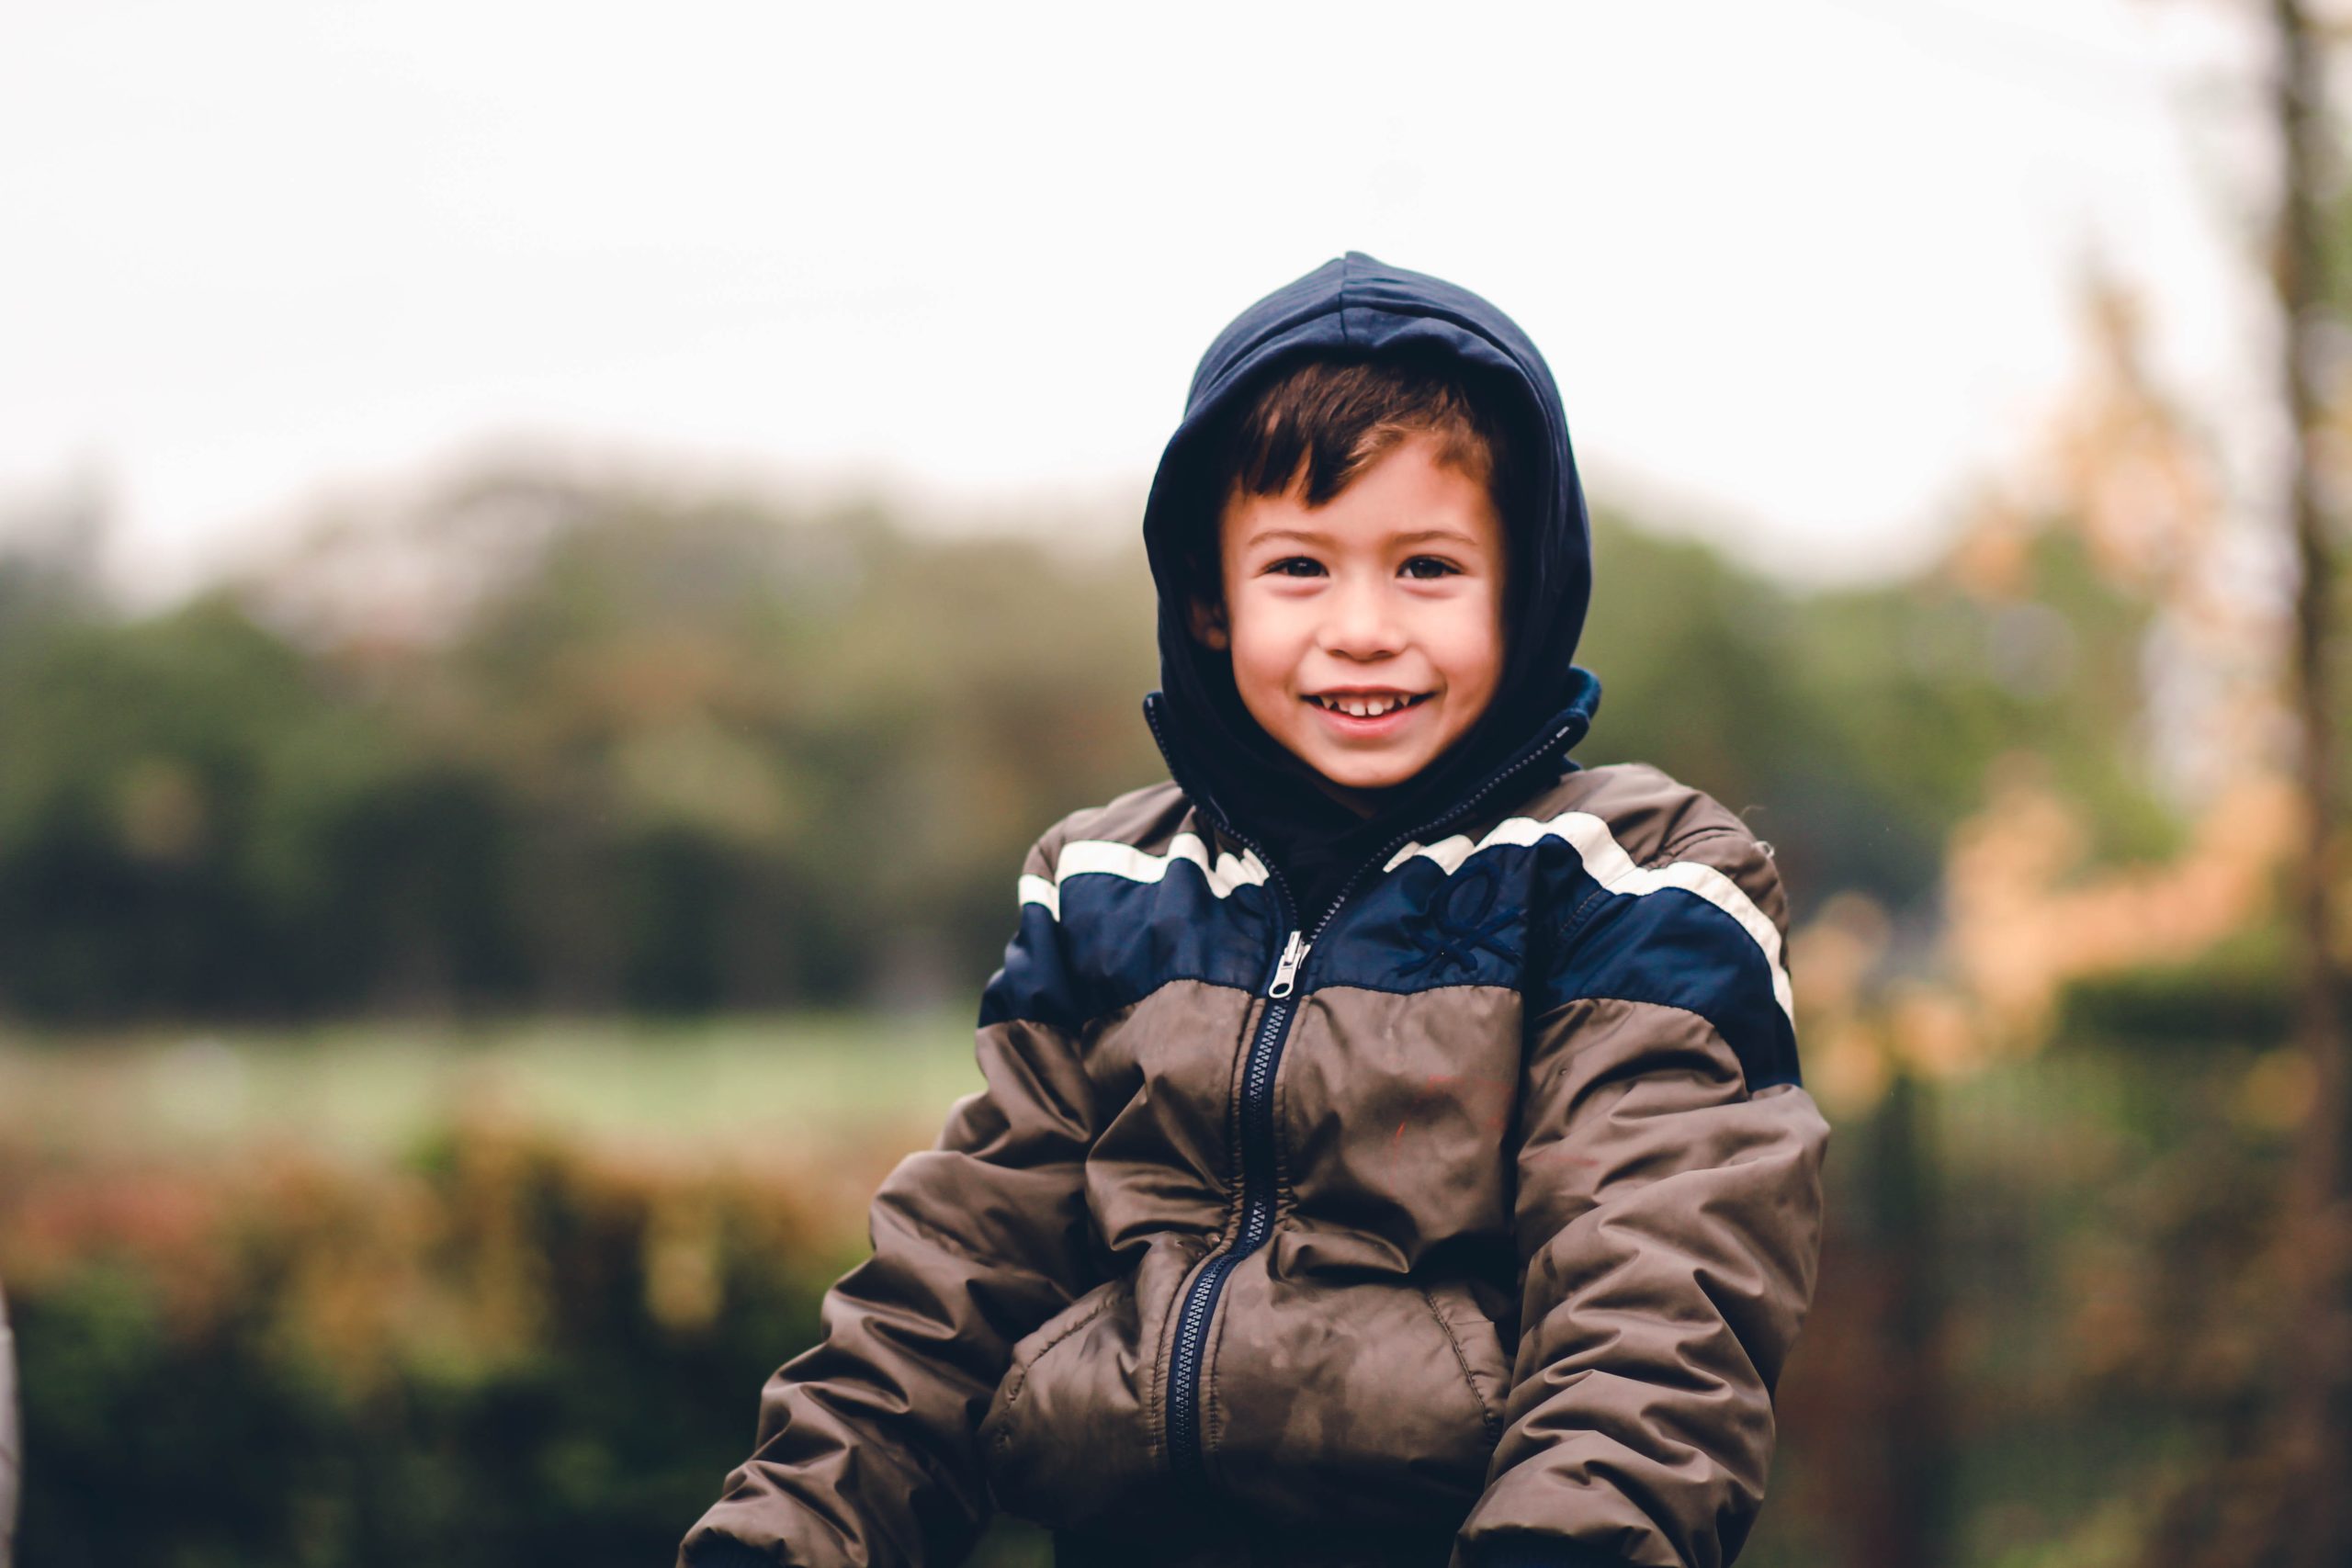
<point>1322,422</point>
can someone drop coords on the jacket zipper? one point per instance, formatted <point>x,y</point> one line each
<point>1184,1450</point>
<point>1257,1212</point>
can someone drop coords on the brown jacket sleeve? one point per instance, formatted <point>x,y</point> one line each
<point>1669,1216</point>
<point>866,1449</point>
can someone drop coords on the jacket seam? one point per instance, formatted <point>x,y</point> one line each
<point>1552,1012</point>
<point>1488,1417</point>
<point>1020,1385</point>
<point>1081,1028</point>
<point>1748,1088</point>
<point>1371,989</point>
<point>1671,851</point>
<point>1078,1026</point>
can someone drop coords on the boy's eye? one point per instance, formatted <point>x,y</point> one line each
<point>1295,566</point>
<point>1427,567</point>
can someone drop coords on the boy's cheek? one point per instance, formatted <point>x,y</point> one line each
<point>1266,648</point>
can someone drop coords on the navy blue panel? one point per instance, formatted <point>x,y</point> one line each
<point>1126,939</point>
<point>1419,928</point>
<point>1032,984</point>
<point>1675,949</point>
<point>1120,940</point>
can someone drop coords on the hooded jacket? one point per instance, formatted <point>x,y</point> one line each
<point>1463,1218</point>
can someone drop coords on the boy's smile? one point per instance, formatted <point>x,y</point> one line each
<point>1366,633</point>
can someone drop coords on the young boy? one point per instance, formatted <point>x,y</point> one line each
<point>1393,1150</point>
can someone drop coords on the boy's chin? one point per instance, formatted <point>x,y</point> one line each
<point>1359,783</point>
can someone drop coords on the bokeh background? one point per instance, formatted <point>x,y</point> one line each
<point>552,560</point>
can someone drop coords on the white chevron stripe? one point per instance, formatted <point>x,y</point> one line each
<point>1606,861</point>
<point>1039,890</point>
<point>1102,856</point>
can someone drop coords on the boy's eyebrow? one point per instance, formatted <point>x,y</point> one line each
<point>1417,537</point>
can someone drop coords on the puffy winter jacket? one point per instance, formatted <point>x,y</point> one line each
<point>1465,1222</point>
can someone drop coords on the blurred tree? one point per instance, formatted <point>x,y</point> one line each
<point>2318,1406</point>
<point>132,759</point>
<point>602,745</point>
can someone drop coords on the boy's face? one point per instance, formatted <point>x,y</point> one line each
<point>1366,634</point>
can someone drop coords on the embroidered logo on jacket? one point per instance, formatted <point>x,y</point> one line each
<point>1460,923</point>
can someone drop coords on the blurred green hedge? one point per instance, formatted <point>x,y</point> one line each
<point>502,1351</point>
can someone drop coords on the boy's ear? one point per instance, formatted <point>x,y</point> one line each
<point>1208,625</point>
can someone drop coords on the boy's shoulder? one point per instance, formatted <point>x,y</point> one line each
<point>1149,819</point>
<point>1648,810</point>
<point>1637,816</point>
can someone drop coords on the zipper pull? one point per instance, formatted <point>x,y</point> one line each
<point>1286,972</point>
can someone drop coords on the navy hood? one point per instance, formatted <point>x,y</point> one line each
<point>1355,307</point>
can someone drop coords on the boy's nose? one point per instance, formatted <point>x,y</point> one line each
<point>1362,624</point>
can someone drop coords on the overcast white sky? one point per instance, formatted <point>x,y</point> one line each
<point>1805,270</point>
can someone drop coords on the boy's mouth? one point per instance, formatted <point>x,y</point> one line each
<point>1367,704</point>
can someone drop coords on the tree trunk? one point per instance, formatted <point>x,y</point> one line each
<point>2317,1367</point>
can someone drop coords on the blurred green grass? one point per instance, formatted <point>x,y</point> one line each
<point>372,1089</point>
